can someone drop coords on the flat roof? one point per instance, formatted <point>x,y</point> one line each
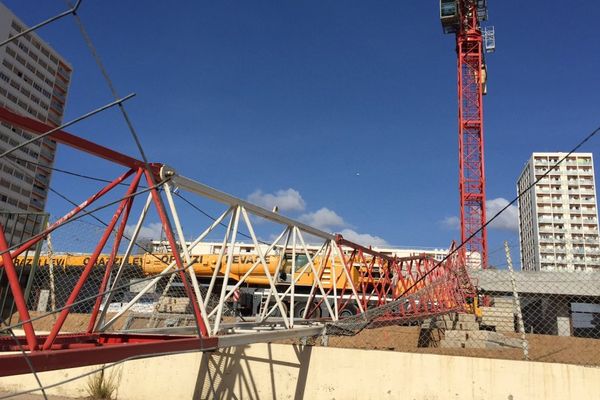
<point>575,283</point>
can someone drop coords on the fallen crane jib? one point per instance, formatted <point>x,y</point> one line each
<point>339,239</point>
<point>383,274</point>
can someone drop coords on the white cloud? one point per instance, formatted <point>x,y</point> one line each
<point>328,220</point>
<point>324,219</point>
<point>451,222</point>
<point>508,220</point>
<point>151,231</point>
<point>285,200</point>
<point>363,238</point>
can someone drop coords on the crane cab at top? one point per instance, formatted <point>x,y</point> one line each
<point>449,15</point>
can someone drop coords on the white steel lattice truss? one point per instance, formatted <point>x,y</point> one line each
<point>282,301</point>
<point>334,272</point>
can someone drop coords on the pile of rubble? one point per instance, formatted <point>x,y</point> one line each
<point>461,330</point>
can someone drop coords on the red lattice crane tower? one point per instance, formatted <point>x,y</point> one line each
<point>463,18</point>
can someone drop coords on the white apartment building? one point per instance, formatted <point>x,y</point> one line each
<point>558,218</point>
<point>34,80</point>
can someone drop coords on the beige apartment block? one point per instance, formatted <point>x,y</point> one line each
<point>34,81</point>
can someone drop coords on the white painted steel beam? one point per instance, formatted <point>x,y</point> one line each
<point>211,193</point>
<point>247,338</point>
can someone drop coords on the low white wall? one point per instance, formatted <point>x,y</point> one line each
<point>273,371</point>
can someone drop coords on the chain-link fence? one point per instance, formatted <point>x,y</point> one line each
<point>18,228</point>
<point>538,316</point>
<point>141,291</point>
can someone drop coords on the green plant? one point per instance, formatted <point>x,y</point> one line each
<point>101,386</point>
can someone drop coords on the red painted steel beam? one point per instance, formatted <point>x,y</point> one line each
<point>339,239</point>
<point>106,349</point>
<point>69,215</point>
<point>17,291</point>
<point>88,268</point>
<point>113,253</point>
<point>429,287</point>
<point>166,224</point>
<point>7,343</point>
<point>37,127</point>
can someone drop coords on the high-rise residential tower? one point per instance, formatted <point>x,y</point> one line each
<point>558,218</point>
<point>34,80</point>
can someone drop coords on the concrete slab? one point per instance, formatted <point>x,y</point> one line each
<point>463,317</point>
<point>467,326</point>
<point>480,344</point>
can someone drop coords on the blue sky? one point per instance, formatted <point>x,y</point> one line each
<point>345,111</point>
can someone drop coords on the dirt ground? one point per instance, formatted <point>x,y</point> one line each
<point>75,322</point>
<point>544,348</point>
<point>34,397</point>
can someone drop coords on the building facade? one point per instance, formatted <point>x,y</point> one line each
<point>34,81</point>
<point>558,217</point>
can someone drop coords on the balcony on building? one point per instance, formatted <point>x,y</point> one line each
<point>59,95</point>
<point>64,71</point>
<point>39,190</point>
<point>56,106</point>
<point>41,179</point>
<point>48,155</point>
<point>61,84</point>
<point>53,118</point>
<point>36,204</point>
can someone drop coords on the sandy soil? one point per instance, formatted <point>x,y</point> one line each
<point>75,322</point>
<point>406,338</point>
<point>34,397</point>
<point>541,347</point>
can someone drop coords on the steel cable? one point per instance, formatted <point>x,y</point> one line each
<point>109,82</point>
<point>503,209</point>
<point>27,360</point>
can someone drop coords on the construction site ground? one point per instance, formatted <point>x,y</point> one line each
<point>545,348</point>
<point>32,396</point>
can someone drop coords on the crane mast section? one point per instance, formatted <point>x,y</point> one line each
<point>471,144</point>
<point>463,18</point>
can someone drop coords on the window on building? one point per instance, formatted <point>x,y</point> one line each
<point>21,60</point>
<point>10,52</point>
<point>23,47</point>
<point>16,26</point>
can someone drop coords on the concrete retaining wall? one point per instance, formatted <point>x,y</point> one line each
<point>273,371</point>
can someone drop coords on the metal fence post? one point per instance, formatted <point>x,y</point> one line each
<point>517,302</point>
<point>36,258</point>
